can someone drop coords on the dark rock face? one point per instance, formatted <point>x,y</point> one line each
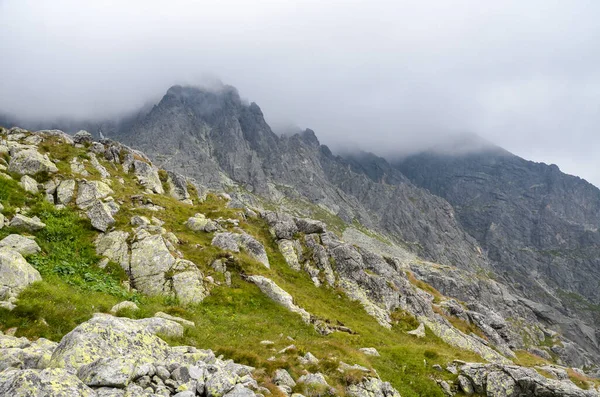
<point>215,138</point>
<point>538,226</point>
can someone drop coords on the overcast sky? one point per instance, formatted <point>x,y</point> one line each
<point>382,75</point>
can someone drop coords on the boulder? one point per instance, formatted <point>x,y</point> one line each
<point>310,226</point>
<point>177,186</point>
<point>283,378</point>
<point>282,225</point>
<point>288,250</point>
<point>150,261</point>
<point>219,383</point>
<point>419,332</point>
<point>89,192</point>
<point>65,192</point>
<point>30,162</point>
<point>234,241</point>
<point>82,136</point>
<point>277,294</point>
<point>186,282</point>
<point>199,222</point>
<point>100,216</point>
<point>114,246</point>
<point>240,391</point>
<point>29,184</point>
<point>47,382</point>
<point>369,351</point>
<point>179,320</point>
<point>25,223</point>
<point>313,379</point>
<point>372,387</point>
<point>125,305</point>
<point>108,372</point>
<point>15,272</point>
<point>147,176</point>
<point>23,245</point>
<point>226,241</point>
<point>105,336</point>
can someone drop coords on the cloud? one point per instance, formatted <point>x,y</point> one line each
<point>386,75</point>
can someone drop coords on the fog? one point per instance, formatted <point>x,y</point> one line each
<point>385,76</point>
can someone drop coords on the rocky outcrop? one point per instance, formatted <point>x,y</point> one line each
<point>147,176</point>
<point>236,241</point>
<point>100,215</point>
<point>30,162</point>
<point>114,246</point>
<point>15,273</point>
<point>494,380</point>
<point>23,222</point>
<point>199,222</point>
<point>277,294</point>
<point>23,245</point>
<point>88,193</point>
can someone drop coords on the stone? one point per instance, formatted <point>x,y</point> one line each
<point>288,250</point>
<point>465,385</point>
<point>200,223</point>
<point>177,186</point>
<point>219,383</point>
<point>82,136</point>
<point>29,184</point>
<point>23,245</point>
<point>500,384</point>
<point>147,176</point>
<point>138,220</point>
<point>105,336</point>
<point>90,192</point>
<point>277,294</point>
<point>372,387</point>
<point>108,372</point>
<point>240,391</point>
<point>47,382</point>
<point>30,162</point>
<point>125,305</point>
<point>310,226</point>
<point>100,216</point>
<point>15,272</point>
<point>65,191</point>
<point>283,378</point>
<point>150,261</point>
<point>308,359</point>
<point>179,320</point>
<point>369,351</point>
<point>254,249</point>
<point>282,225</point>
<point>419,332</point>
<point>162,326</point>
<point>113,245</point>
<point>25,223</point>
<point>313,379</point>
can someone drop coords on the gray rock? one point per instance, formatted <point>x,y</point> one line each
<point>23,245</point>
<point>89,192</point>
<point>105,336</point>
<point>100,216</point>
<point>199,222</point>
<point>65,191</point>
<point>81,137</point>
<point>309,226</point>
<point>29,184</point>
<point>30,162</point>
<point>240,391</point>
<point>47,382</point>
<point>219,383</point>
<point>277,294</point>
<point>114,246</point>
<point>282,225</point>
<point>226,241</point>
<point>162,326</point>
<point>15,272</point>
<point>465,385</point>
<point>25,223</point>
<point>179,320</point>
<point>313,379</point>
<point>128,305</point>
<point>369,351</point>
<point>108,372</point>
<point>147,176</point>
<point>150,261</point>
<point>177,186</point>
<point>419,332</point>
<point>283,378</point>
<point>372,387</point>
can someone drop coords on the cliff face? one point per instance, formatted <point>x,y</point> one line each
<point>538,226</point>
<point>215,138</point>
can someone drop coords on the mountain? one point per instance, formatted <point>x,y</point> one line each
<point>353,245</point>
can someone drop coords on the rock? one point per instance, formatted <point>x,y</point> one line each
<point>162,326</point>
<point>30,224</point>
<point>100,216</point>
<point>372,387</point>
<point>30,162</point>
<point>200,223</point>
<point>308,359</point>
<point>310,226</point>
<point>419,332</point>
<point>219,383</point>
<point>108,372</point>
<point>288,250</point>
<point>282,225</point>
<point>47,382</point>
<point>500,384</point>
<point>125,305</point>
<point>65,191</point>
<point>313,379</point>
<point>114,246</point>
<point>99,167</point>
<point>369,351</point>
<point>465,385</point>
<point>29,184</point>
<point>179,320</point>
<point>283,378</point>
<point>147,176</point>
<point>89,192</point>
<point>240,391</point>
<point>78,168</point>
<point>21,244</point>
<point>226,241</point>
<point>277,294</point>
<point>97,148</point>
<point>105,336</point>
<point>177,186</point>
<point>81,137</point>
<point>15,272</point>
<point>254,248</point>
<point>150,261</point>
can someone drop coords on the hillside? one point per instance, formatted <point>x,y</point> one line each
<point>120,278</point>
